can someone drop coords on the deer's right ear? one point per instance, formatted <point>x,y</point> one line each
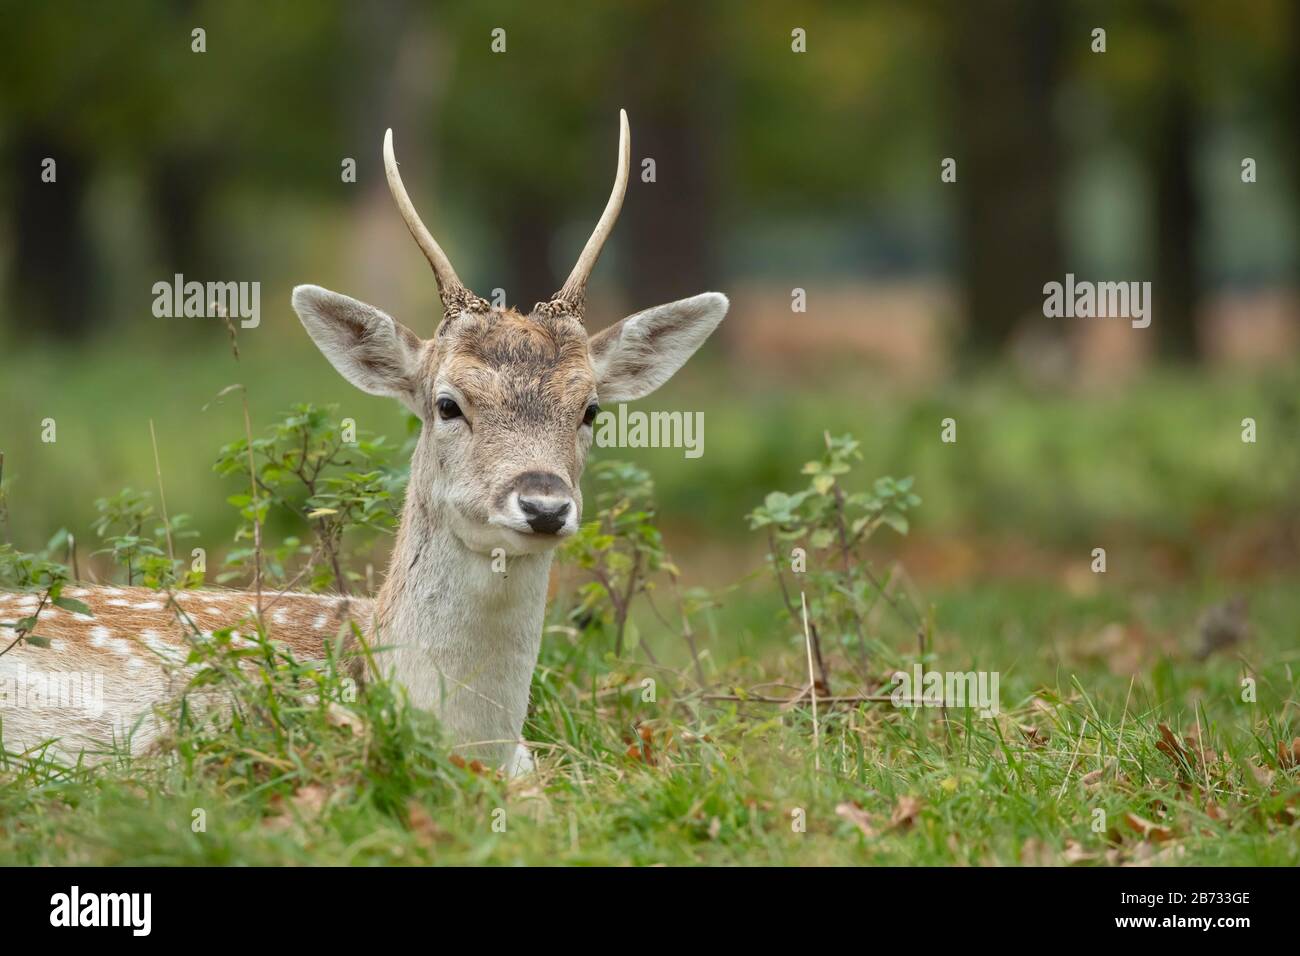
<point>372,350</point>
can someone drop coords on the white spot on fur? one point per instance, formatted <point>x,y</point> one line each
<point>320,621</point>
<point>212,609</point>
<point>149,606</point>
<point>118,602</point>
<point>57,645</point>
<point>134,664</point>
<point>279,616</point>
<point>99,636</point>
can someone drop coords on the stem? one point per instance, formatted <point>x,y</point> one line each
<point>257,518</point>
<point>162,495</point>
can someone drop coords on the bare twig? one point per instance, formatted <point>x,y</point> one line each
<point>833,699</point>
<point>257,518</point>
<point>812,685</point>
<point>72,556</point>
<point>162,496</point>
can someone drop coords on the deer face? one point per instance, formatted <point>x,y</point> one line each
<point>506,400</point>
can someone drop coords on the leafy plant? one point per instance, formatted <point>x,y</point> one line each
<point>305,468</point>
<point>38,573</point>
<point>819,533</point>
<point>142,542</point>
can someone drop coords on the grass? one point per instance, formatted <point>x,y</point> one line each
<point>681,780</point>
<point>1091,666</point>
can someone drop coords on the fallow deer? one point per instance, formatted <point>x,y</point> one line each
<point>506,401</point>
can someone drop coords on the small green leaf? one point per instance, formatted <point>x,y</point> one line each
<point>72,604</point>
<point>822,538</point>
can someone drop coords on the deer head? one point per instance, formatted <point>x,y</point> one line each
<point>506,400</point>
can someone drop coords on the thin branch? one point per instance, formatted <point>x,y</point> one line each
<point>812,686</point>
<point>162,495</point>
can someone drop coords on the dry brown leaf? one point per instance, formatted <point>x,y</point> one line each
<point>1034,735</point>
<point>422,826</point>
<point>1288,757</point>
<point>1172,747</point>
<point>858,817</point>
<point>309,800</point>
<point>1263,775</point>
<point>905,812</point>
<point>339,716</point>
<point>1156,832</point>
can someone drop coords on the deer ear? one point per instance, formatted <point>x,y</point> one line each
<point>635,356</point>
<point>372,351</point>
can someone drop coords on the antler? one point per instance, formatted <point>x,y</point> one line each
<point>572,296</point>
<point>455,297</point>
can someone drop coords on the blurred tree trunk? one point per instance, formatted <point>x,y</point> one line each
<point>527,229</point>
<point>1176,290</point>
<point>1005,58</point>
<point>53,261</point>
<point>1171,157</point>
<point>668,230</point>
<point>179,186</point>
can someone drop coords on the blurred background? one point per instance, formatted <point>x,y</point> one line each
<point>774,171</point>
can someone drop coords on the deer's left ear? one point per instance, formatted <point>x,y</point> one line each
<point>370,349</point>
<point>635,356</point>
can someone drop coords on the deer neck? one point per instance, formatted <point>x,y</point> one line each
<point>462,635</point>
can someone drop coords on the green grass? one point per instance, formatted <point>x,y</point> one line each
<point>1154,471</point>
<point>727,781</point>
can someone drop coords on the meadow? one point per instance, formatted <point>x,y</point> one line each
<point>1147,713</point>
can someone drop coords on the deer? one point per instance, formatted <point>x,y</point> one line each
<point>506,402</point>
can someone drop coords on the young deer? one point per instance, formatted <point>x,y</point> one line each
<point>506,402</point>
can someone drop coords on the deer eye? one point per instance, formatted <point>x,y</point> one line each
<point>447,409</point>
<point>592,410</point>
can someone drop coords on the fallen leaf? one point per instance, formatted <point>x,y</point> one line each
<point>1288,757</point>
<point>1035,736</point>
<point>422,826</point>
<point>858,817</point>
<point>905,812</point>
<point>339,716</point>
<point>1149,830</point>
<point>1263,775</point>
<point>1171,747</point>
<point>309,800</point>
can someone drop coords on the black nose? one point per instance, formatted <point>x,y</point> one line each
<point>545,515</point>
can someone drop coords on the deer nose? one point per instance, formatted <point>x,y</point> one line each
<point>545,515</point>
